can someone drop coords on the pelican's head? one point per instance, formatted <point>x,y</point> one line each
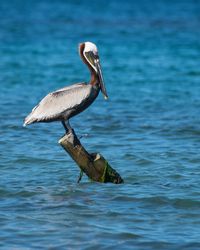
<point>90,53</point>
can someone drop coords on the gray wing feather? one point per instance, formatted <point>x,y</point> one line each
<point>55,103</point>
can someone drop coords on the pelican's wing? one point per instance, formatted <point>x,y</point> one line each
<point>55,103</point>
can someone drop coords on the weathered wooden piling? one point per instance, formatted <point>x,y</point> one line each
<point>93,165</point>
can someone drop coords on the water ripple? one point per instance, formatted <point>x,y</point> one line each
<point>148,129</point>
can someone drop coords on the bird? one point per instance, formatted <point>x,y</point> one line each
<point>64,103</point>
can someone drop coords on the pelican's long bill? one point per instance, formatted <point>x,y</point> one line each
<point>99,72</point>
<point>94,62</point>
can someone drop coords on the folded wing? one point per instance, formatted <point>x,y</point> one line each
<point>54,104</point>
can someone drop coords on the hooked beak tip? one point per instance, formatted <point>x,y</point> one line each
<point>105,97</point>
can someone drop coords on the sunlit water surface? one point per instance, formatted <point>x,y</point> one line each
<point>149,129</point>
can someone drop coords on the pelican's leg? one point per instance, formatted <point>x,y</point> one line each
<point>67,127</point>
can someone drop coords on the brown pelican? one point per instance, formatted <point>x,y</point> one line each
<point>69,101</point>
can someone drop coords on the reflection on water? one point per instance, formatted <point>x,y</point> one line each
<point>148,129</point>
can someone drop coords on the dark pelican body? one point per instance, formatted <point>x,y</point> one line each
<point>69,101</point>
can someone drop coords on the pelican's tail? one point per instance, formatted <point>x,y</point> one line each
<point>28,120</point>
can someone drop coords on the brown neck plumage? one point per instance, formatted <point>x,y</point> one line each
<point>94,77</point>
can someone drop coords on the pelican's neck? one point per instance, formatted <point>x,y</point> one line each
<point>94,79</point>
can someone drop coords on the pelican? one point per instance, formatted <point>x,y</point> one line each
<point>69,101</point>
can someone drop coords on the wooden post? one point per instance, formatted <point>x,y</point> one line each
<point>93,165</point>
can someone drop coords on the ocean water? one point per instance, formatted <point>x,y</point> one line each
<point>148,130</point>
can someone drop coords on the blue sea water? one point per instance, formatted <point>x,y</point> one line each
<point>148,130</point>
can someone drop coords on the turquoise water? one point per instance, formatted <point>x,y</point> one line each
<point>149,129</point>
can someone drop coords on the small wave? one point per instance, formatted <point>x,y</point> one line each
<point>19,194</point>
<point>160,201</point>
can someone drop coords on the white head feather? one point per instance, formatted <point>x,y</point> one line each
<point>90,47</point>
